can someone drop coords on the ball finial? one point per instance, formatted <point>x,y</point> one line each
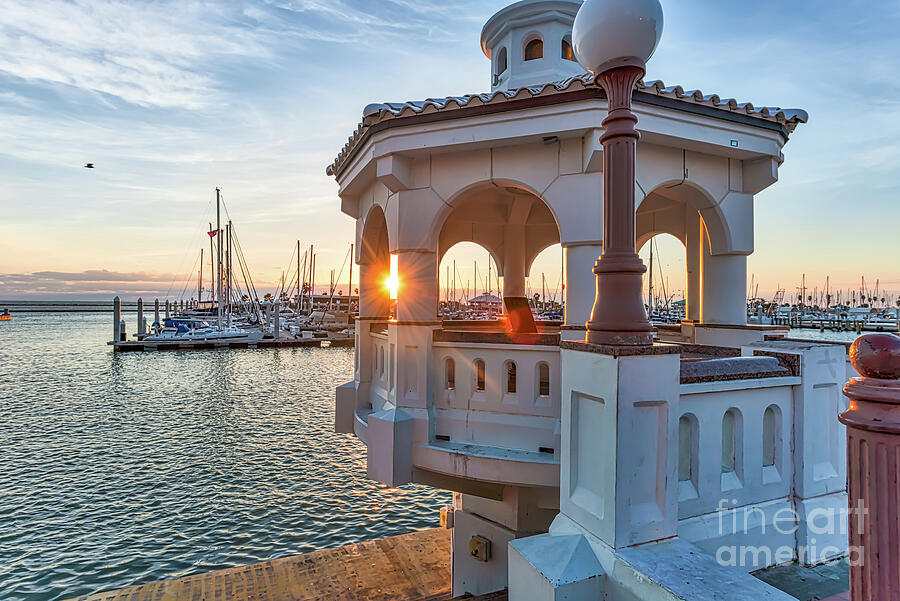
<point>606,30</point>
<point>877,356</point>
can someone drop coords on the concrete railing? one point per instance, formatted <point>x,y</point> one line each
<point>497,395</point>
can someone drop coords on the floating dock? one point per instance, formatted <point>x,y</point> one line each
<point>410,567</point>
<point>139,345</point>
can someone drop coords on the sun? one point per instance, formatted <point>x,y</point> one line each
<point>392,283</point>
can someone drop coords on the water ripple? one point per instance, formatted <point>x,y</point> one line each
<point>125,469</point>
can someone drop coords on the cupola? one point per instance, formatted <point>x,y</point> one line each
<point>530,43</point>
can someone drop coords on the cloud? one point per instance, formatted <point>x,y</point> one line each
<point>100,283</point>
<point>144,53</point>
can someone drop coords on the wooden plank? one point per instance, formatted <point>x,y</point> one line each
<point>410,567</point>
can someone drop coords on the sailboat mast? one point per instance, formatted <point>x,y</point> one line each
<point>298,276</point>
<point>212,268</point>
<point>218,259</point>
<point>200,280</point>
<point>350,289</point>
<point>228,272</point>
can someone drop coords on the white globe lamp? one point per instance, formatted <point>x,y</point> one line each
<point>607,33</point>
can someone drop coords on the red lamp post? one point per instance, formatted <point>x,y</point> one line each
<point>613,39</point>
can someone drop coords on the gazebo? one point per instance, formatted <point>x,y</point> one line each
<point>485,409</point>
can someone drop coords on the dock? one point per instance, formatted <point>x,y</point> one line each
<point>409,567</point>
<point>139,345</point>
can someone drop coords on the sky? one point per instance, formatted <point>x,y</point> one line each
<point>171,99</point>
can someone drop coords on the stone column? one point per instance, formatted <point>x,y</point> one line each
<point>514,261</point>
<point>404,421</point>
<point>693,249</point>
<point>873,458</point>
<point>580,287</point>
<point>724,285</point>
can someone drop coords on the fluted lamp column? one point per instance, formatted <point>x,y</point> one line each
<point>613,39</point>
<point>873,468</point>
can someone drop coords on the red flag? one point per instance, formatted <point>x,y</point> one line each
<point>212,233</point>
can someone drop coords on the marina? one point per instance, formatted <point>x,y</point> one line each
<point>474,385</point>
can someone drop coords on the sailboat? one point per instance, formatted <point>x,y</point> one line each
<point>180,330</point>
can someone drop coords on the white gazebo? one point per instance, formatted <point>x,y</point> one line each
<point>486,409</point>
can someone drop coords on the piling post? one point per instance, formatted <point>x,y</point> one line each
<point>140,317</point>
<point>156,311</point>
<point>168,303</point>
<point>276,310</point>
<point>873,462</point>
<point>123,333</point>
<point>117,316</point>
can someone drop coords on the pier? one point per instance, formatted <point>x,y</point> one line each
<point>139,345</point>
<point>409,567</point>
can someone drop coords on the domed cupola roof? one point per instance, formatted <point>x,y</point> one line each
<point>529,43</point>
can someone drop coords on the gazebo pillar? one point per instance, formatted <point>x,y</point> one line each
<point>724,288</point>
<point>873,458</point>
<point>514,260</point>
<point>693,250</point>
<point>579,279</point>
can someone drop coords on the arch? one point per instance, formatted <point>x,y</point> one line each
<point>479,373</point>
<point>566,51</point>
<point>533,48</point>
<point>476,212</point>
<point>502,62</point>
<point>449,374</point>
<point>510,370</point>
<point>672,193</point>
<point>374,244</point>
<point>543,379</point>
<point>374,266</point>
<point>688,448</point>
<point>772,438</point>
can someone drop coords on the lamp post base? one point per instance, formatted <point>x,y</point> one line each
<point>618,316</point>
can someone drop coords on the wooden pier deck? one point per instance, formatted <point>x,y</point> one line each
<point>410,567</point>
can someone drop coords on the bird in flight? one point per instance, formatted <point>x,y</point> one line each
<point>88,165</point>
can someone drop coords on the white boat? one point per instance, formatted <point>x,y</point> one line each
<point>204,333</point>
<point>881,324</point>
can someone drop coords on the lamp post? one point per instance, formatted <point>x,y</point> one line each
<point>613,40</point>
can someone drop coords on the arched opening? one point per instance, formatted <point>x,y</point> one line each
<point>450,374</point>
<point>543,378</point>
<point>567,52</point>
<point>479,375</point>
<point>732,449</point>
<point>514,226</point>
<point>687,212</point>
<point>374,267</point>
<point>470,283</point>
<point>688,448</point>
<point>501,63</point>
<point>511,377</point>
<point>771,443</point>
<point>545,284</point>
<point>665,282</point>
<point>534,49</point>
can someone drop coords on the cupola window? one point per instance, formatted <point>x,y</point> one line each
<point>567,52</point>
<point>501,61</point>
<point>534,49</point>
